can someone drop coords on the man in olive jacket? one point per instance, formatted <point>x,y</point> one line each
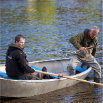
<point>16,62</point>
<point>81,41</point>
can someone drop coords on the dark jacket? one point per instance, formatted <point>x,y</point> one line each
<point>16,62</point>
<point>82,39</point>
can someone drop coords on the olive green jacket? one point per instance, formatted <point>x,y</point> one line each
<point>77,41</point>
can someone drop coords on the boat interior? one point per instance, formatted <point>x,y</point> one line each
<point>53,66</point>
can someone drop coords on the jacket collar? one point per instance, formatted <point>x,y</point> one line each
<point>15,46</point>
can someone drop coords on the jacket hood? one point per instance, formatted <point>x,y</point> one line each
<point>13,47</point>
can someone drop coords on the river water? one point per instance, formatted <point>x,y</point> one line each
<point>47,26</point>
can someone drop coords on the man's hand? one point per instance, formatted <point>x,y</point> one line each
<point>82,48</point>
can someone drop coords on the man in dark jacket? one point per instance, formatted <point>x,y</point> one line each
<point>16,62</point>
<point>81,41</point>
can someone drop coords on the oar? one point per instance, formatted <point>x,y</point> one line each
<point>81,80</point>
<point>79,50</point>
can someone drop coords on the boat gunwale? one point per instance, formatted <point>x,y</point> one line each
<point>49,60</point>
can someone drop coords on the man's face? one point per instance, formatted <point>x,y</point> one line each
<point>21,43</point>
<point>94,34</point>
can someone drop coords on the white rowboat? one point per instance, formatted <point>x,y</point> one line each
<point>27,88</point>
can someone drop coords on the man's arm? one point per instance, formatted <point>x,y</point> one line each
<point>76,40</point>
<point>23,63</point>
<point>94,43</point>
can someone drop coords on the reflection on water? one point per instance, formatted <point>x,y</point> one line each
<point>47,26</point>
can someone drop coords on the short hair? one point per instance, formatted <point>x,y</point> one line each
<point>44,69</point>
<point>17,38</point>
<point>95,29</point>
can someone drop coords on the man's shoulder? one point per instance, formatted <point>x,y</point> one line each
<point>18,52</point>
<point>86,30</point>
<point>79,35</point>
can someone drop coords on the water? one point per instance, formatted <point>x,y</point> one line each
<point>47,26</point>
